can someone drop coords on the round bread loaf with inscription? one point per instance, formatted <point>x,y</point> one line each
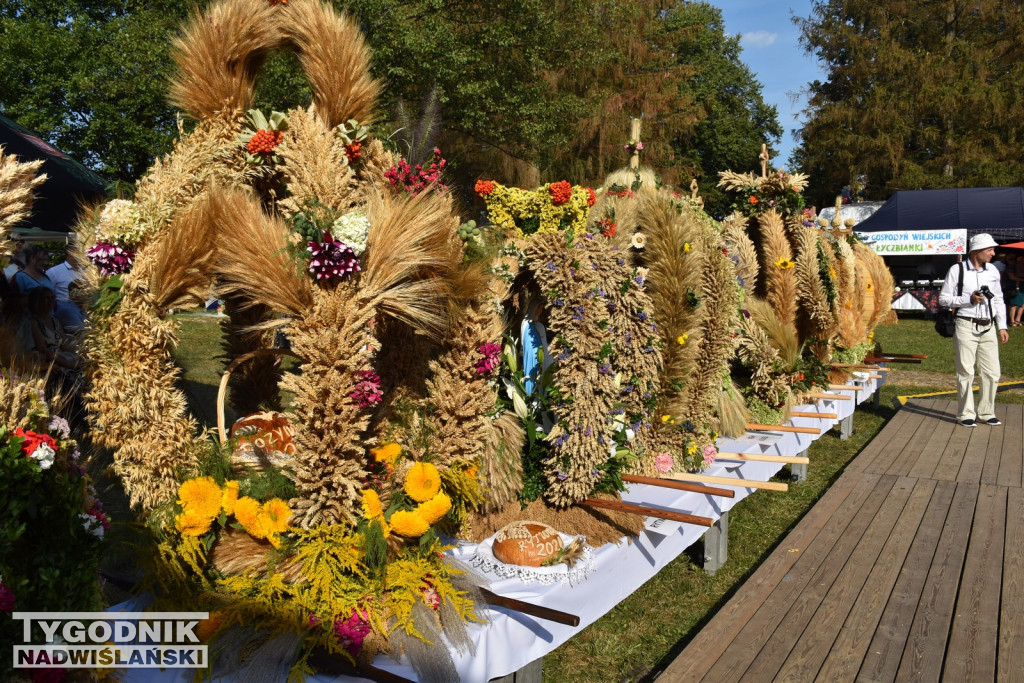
<point>528,544</point>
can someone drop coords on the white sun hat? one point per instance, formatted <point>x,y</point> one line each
<point>981,241</point>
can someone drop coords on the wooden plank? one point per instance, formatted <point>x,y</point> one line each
<point>827,519</point>
<point>925,453</point>
<point>729,481</point>
<point>897,432</point>
<point>792,651</point>
<point>990,468</point>
<point>1011,617</point>
<point>759,457</point>
<point>745,648</point>
<point>1011,465</point>
<point>844,658</point>
<point>951,457</point>
<point>755,427</point>
<point>888,642</point>
<point>978,446</point>
<point>926,643</point>
<point>971,654</point>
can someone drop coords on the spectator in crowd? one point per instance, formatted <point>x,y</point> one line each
<point>33,275</point>
<point>17,260</point>
<point>62,275</point>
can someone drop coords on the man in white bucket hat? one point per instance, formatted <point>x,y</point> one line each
<point>980,317</point>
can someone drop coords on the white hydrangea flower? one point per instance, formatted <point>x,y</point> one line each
<point>91,524</point>
<point>120,223</point>
<point>44,455</point>
<point>352,228</point>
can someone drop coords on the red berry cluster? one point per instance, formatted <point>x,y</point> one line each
<point>561,192</point>
<point>264,141</point>
<point>591,197</point>
<point>608,227</point>
<point>484,187</point>
<point>353,151</point>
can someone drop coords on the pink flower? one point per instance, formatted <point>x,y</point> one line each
<point>7,598</point>
<point>710,453</point>
<point>352,632</point>
<point>367,390</point>
<point>663,462</point>
<point>491,358</point>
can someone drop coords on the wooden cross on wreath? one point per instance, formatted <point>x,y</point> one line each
<point>634,145</point>
<point>764,160</point>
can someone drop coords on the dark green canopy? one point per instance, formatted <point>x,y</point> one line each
<point>67,182</point>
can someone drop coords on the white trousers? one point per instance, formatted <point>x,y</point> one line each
<point>974,345</point>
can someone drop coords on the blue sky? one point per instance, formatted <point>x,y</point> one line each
<point>772,50</point>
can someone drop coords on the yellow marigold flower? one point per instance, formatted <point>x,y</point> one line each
<point>200,496</point>
<point>274,516</point>
<point>666,418</point>
<point>408,524</point>
<point>207,627</point>
<point>435,508</point>
<point>422,483</point>
<point>371,504</point>
<point>192,524</point>
<point>687,247</point>
<point>247,512</point>
<point>682,339</point>
<point>229,497</point>
<point>691,449</point>
<point>388,453</point>
<point>784,264</point>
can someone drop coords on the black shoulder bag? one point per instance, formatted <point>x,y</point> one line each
<point>945,319</point>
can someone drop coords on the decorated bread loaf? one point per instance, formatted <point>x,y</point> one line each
<point>529,544</point>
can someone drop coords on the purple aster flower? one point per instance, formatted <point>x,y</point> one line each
<point>550,266</point>
<point>332,259</point>
<point>641,316</point>
<point>110,258</point>
<point>562,476</point>
<point>587,431</point>
<point>558,303</point>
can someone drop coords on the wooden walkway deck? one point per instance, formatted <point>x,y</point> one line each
<point>910,567</point>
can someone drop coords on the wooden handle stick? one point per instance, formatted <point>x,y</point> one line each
<point>732,481</point>
<point>646,511</point>
<point>873,376</point>
<point>830,397</point>
<point>755,457</point>
<point>679,485</point>
<point>860,366</point>
<point>905,355</point>
<point>844,387</point>
<point>531,609</point>
<point>753,427</point>
<point>886,359</point>
<point>820,416</point>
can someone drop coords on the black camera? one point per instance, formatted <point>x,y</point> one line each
<point>986,291</point>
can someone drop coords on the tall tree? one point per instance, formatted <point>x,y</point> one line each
<point>917,95</point>
<point>673,65</point>
<point>91,77</point>
<point>733,120</point>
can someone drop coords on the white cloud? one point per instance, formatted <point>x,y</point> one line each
<point>759,38</point>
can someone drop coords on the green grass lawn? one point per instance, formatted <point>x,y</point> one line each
<point>917,335</point>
